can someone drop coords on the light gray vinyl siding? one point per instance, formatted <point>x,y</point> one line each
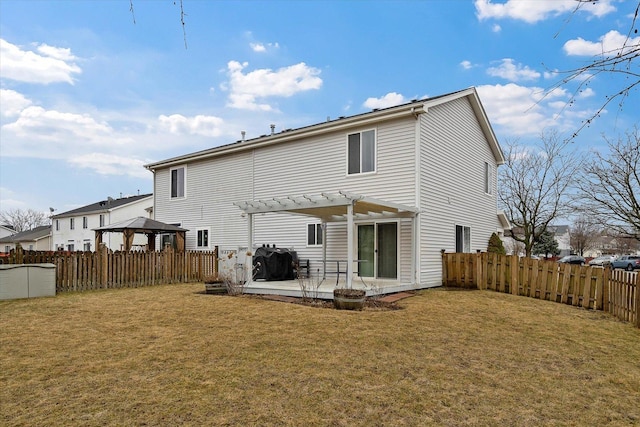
<point>211,188</point>
<point>453,151</point>
<point>318,165</point>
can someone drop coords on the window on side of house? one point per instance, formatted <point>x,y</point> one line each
<point>70,247</point>
<point>72,224</point>
<point>57,225</point>
<point>488,178</point>
<point>463,239</point>
<point>314,234</point>
<point>85,222</point>
<point>87,246</point>
<point>361,152</point>
<point>178,182</point>
<point>203,239</point>
<point>101,220</point>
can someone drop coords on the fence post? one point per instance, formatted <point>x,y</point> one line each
<point>19,254</point>
<point>104,266</point>
<point>444,268</point>
<point>637,289</point>
<point>481,278</point>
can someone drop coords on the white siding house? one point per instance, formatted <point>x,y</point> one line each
<point>74,230</point>
<point>393,186</point>
<point>37,239</point>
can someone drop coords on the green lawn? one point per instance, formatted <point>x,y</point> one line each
<point>171,355</point>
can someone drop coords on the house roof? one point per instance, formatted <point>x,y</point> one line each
<point>329,207</point>
<point>414,108</point>
<point>103,205</point>
<point>28,235</point>
<point>140,225</point>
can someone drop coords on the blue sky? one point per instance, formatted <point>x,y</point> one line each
<point>87,96</point>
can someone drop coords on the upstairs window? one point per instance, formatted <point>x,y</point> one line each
<point>361,152</point>
<point>101,220</point>
<point>177,182</point>
<point>57,225</point>
<point>488,178</point>
<point>85,222</point>
<point>72,223</point>
<point>314,234</point>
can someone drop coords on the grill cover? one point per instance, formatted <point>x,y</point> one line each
<point>273,264</point>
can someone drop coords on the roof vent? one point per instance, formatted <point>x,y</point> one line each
<point>273,129</point>
<point>243,133</point>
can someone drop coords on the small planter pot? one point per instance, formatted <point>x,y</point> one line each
<point>349,299</point>
<point>217,288</point>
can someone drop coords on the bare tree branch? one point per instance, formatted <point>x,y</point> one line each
<point>611,185</point>
<point>23,220</point>
<point>621,61</point>
<point>534,186</point>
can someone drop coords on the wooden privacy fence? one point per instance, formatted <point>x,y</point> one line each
<point>614,291</point>
<point>82,271</point>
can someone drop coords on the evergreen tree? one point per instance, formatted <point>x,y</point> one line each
<point>546,244</point>
<point>495,245</point>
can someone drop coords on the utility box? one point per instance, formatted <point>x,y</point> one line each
<point>27,281</point>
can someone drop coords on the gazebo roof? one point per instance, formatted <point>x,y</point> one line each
<point>141,225</point>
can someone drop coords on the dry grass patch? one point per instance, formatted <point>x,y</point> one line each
<point>171,355</point>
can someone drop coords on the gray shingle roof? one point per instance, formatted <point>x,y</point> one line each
<point>102,206</point>
<point>28,235</point>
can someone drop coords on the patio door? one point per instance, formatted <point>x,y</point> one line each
<point>378,249</point>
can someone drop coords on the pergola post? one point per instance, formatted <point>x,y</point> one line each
<point>249,256</point>
<point>349,244</point>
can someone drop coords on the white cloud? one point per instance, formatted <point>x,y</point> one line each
<point>51,125</point>
<point>110,164</point>
<point>247,89</point>
<point>12,102</point>
<point>520,110</point>
<point>538,10</point>
<point>197,125</point>
<point>389,100</point>
<point>513,72</point>
<point>49,65</point>
<point>467,65</point>
<point>496,28</point>
<point>613,41</point>
<point>10,200</point>
<point>262,47</point>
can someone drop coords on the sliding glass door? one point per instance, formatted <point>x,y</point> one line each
<point>378,250</point>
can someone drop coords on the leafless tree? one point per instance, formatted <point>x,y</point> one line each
<point>620,62</point>
<point>23,220</point>
<point>611,185</point>
<point>584,235</point>
<point>182,16</point>
<point>534,185</point>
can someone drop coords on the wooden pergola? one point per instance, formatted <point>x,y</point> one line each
<point>140,225</point>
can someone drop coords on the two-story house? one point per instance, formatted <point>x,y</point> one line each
<point>73,230</point>
<point>383,191</point>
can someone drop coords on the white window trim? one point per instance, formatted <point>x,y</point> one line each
<point>208,245</point>
<point>375,153</point>
<point>488,178</point>
<point>184,189</point>
<point>318,226</point>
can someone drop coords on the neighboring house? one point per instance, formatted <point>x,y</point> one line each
<point>38,239</point>
<point>73,230</point>
<point>393,187</point>
<point>5,231</point>
<point>563,237</point>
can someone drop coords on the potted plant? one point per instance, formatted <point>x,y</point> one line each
<point>349,298</point>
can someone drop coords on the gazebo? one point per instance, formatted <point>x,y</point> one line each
<point>140,225</point>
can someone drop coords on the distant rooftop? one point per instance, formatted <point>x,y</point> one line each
<point>103,205</point>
